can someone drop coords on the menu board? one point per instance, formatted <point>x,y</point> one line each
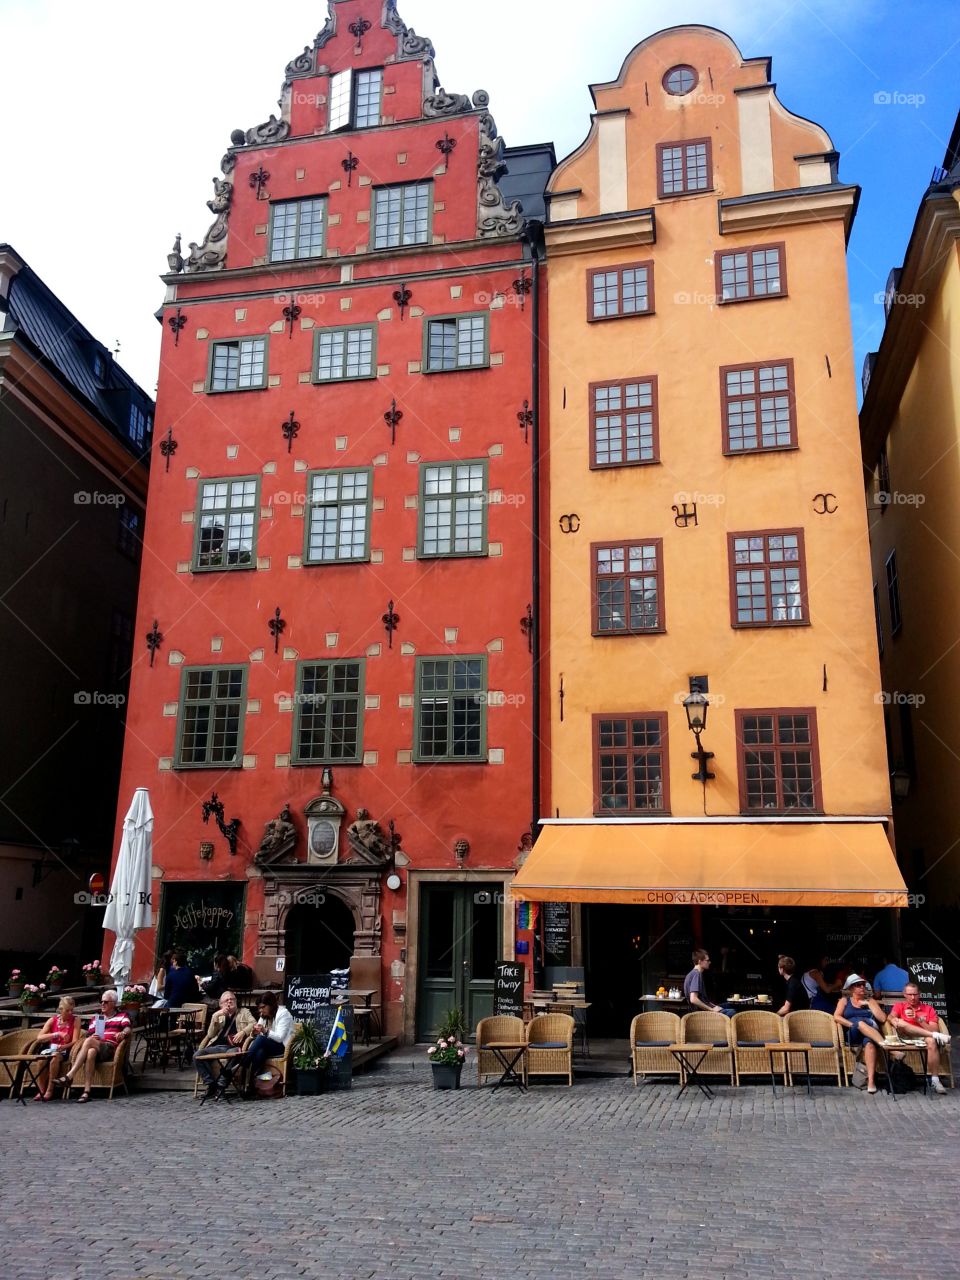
<point>928,975</point>
<point>556,933</point>
<point>508,989</point>
<point>308,997</point>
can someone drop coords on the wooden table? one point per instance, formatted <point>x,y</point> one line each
<point>500,1049</point>
<point>29,1063</point>
<point>680,1052</point>
<point>786,1048</point>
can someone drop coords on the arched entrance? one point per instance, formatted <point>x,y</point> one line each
<point>319,935</point>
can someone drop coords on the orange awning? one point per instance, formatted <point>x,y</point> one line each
<point>732,864</point>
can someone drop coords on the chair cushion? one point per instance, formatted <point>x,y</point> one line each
<point>822,1044</point>
<point>654,1044</point>
<point>720,1044</point>
<point>547,1044</point>
<point>751,1044</point>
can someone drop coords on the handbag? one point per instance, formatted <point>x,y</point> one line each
<point>858,1077</point>
<point>902,1077</point>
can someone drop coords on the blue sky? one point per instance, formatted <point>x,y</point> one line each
<point>118,123</point>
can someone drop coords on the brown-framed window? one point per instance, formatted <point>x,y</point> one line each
<point>768,578</point>
<point>877,618</point>
<point>630,773</point>
<point>893,593</point>
<point>759,406</point>
<point>778,760</point>
<point>684,167</point>
<point>615,292</point>
<point>883,480</point>
<point>624,425</point>
<point>627,587</point>
<point>753,271</point>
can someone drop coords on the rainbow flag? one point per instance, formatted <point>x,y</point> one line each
<point>527,913</point>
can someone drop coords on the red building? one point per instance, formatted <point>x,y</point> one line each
<point>339,539</point>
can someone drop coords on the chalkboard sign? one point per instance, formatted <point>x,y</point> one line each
<point>508,989</point>
<point>928,975</point>
<point>309,997</point>
<point>556,932</point>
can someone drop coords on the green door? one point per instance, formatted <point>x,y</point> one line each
<point>459,945</point>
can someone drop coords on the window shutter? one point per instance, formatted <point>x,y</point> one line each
<point>341,90</point>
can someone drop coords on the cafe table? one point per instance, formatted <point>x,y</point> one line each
<point>500,1050</point>
<point>685,1055</point>
<point>224,1055</point>
<point>787,1047</point>
<point>895,1046</point>
<point>15,1066</point>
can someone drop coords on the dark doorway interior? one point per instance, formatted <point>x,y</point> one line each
<point>319,936</point>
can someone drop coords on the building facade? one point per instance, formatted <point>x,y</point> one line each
<point>910,434</point>
<point>707,536</point>
<point>74,446</point>
<point>336,729</point>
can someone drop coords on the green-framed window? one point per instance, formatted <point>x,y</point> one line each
<point>338,516</point>
<point>451,710</point>
<point>457,342</point>
<point>328,713</point>
<point>453,509</point>
<point>402,215</point>
<point>298,229</point>
<point>226,521</point>
<point>344,354</point>
<point>210,722</point>
<point>238,364</point>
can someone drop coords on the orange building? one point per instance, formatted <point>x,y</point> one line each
<point>707,538</point>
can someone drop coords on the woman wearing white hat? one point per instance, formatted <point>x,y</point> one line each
<point>861,1015</point>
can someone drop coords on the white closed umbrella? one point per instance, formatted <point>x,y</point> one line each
<point>129,906</point>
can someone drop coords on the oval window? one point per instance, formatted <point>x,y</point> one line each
<point>680,80</point>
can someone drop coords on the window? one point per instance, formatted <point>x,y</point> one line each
<point>328,713</point>
<point>456,342</point>
<point>355,99</point>
<point>876,614</point>
<point>338,516</point>
<point>777,755</point>
<point>297,229</point>
<point>883,480</point>
<point>757,271</point>
<point>768,579</point>
<point>210,725</point>
<point>120,654</point>
<point>227,524</point>
<point>239,365</point>
<point>139,425</point>
<point>630,763</point>
<point>628,588</point>
<point>453,506</point>
<point>623,423</point>
<point>683,167</point>
<point>759,407</point>
<point>680,80</point>
<point>401,215</point>
<point>129,537</point>
<point>341,354</point>
<point>614,292</point>
<point>451,703</point>
<point>893,593</point>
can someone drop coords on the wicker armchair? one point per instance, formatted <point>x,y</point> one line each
<point>651,1034</point>
<point>946,1056</point>
<point>107,1075</point>
<point>752,1029</point>
<point>550,1046</point>
<point>812,1026</point>
<point>707,1027</point>
<point>500,1027</point>
<point>282,1063</point>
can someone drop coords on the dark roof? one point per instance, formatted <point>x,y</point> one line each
<point>72,353</point>
<point>951,160</point>
<point>528,170</point>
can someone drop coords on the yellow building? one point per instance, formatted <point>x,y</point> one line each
<point>910,427</point>
<point>705,529</point>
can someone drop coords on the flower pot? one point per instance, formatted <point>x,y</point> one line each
<point>30,1006</point>
<point>446,1075</point>
<point>310,1082</point>
<point>92,979</point>
<point>54,987</point>
<point>14,989</point>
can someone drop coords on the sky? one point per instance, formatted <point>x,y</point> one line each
<point>116,116</point>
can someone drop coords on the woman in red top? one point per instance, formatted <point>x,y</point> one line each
<point>60,1033</point>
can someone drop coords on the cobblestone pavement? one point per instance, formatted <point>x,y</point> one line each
<point>395,1180</point>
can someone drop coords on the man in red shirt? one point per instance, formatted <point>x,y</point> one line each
<point>106,1030</point>
<point>914,1020</point>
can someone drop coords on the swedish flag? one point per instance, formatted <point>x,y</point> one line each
<point>338,1044</point>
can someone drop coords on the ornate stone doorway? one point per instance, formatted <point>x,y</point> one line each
<point>319,935</point>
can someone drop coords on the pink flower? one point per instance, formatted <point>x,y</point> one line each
<point>451,1040</point>
<point>459,1053</point>
<point>431,1050</point>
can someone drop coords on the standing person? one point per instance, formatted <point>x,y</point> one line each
<point>106,1031</point>
<point>273,1031</point>
<point>695,987</point>
<point>160,977</point>
<point>181,985</point>
<point>229,1028</point>
<point>891,978</point>
<point>58,1036</point>
<point>861,1016</point>
<point>795,996</point>
<point>821,991</point>
<point>918,1021</point>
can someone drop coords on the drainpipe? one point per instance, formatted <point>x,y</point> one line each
<point>534,232</point>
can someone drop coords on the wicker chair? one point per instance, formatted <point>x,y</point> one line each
<point>282,1063</point>
<point>707,1027</point>
<point>651,1034</point>
<point>752,1029</point>
<point>13,1043</point>
<point>107,1075</point>
<point>550,1046</point>
<point>812,1026</point>
<point>500,1027</point>
<point>946,1056</point>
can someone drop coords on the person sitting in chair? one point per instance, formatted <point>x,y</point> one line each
<point>229,1028</point>
<point>695,987</point>
<point>107,1030</point>
<point>271,1035</point>
<point>916,1021</point>
<point>861,1016</point>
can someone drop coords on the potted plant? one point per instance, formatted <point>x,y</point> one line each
<point>15,983</point>
<point>55,979</point>
<point>448,1055</point>
<point>308,1059</point>
<point>32,996</point>
<point>133,1000</point>
<point>92,973</point>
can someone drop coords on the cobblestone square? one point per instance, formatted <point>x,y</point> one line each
<point>395,1180</point>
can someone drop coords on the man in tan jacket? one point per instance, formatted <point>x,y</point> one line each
<point>229,1028</point>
